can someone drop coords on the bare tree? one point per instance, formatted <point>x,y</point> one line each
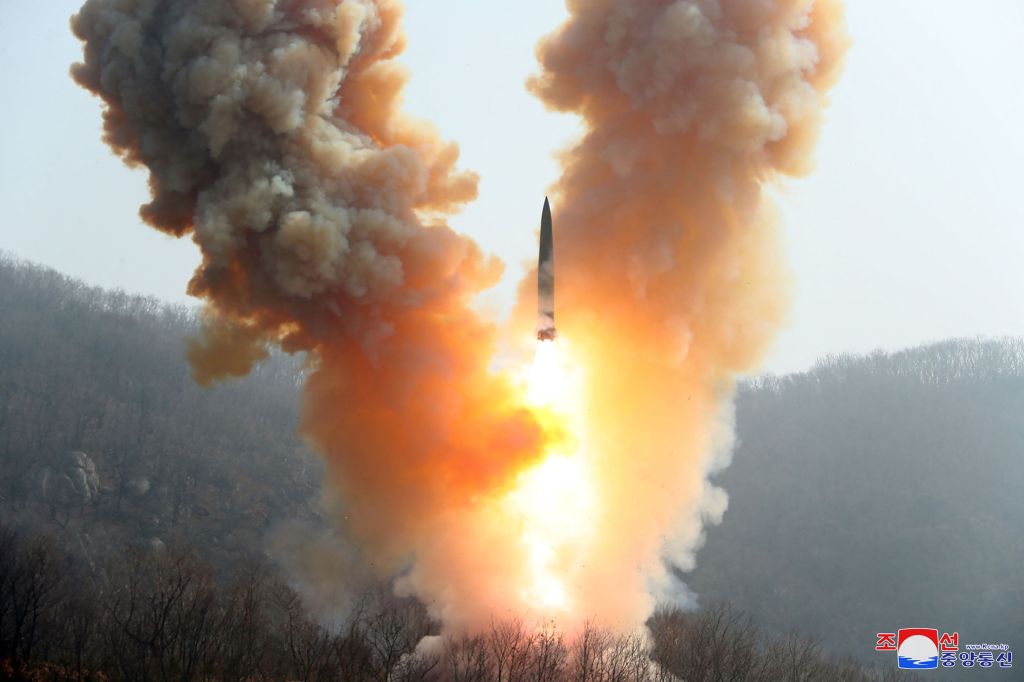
<point>161,614</point>
<point>310,647</point>
<point>548,654</point>
<point>31,574</point>
<point>509,645</point>
<point>392,628</point>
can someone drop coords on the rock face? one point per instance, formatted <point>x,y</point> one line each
<point>84,476</point>
<point>73,479</point>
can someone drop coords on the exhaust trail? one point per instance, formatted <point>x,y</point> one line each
<point>672,278</point>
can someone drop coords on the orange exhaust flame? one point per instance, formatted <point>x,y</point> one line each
<point>555,498</point>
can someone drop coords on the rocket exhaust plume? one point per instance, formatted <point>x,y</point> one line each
<point>672,280</point>
<point>273,137</point>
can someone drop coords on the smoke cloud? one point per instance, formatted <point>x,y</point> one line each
<point>671,275</point>
<point>273,137</point>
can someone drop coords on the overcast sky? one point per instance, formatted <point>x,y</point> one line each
<point>911,228</point>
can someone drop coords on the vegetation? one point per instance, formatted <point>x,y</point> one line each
<point>879,492</point>
<point>164,615</point>
<point>105,439</point>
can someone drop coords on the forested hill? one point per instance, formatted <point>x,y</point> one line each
<point>105,439</point>
<point>879,492</point>
<point>868,494</point>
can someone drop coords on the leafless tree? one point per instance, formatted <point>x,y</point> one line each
<point>509,645</point>
<point>161,614</point>
<point>309,645</point>
<point>31,575</point>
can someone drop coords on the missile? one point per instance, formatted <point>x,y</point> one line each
<point>546,279</point>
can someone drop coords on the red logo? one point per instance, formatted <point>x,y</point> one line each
<point>885,641</point>
<point>917,648</point>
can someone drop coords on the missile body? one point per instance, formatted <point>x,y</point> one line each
<point>546,279</point>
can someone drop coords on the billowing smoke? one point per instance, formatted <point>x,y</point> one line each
<point>273,136</point>
<point>671,275</point>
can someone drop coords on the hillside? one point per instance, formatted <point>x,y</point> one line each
<point>867,494</point>
<point>105,439</point>
<point>879,492</point>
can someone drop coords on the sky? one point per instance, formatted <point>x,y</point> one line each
<point>909,230</point>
